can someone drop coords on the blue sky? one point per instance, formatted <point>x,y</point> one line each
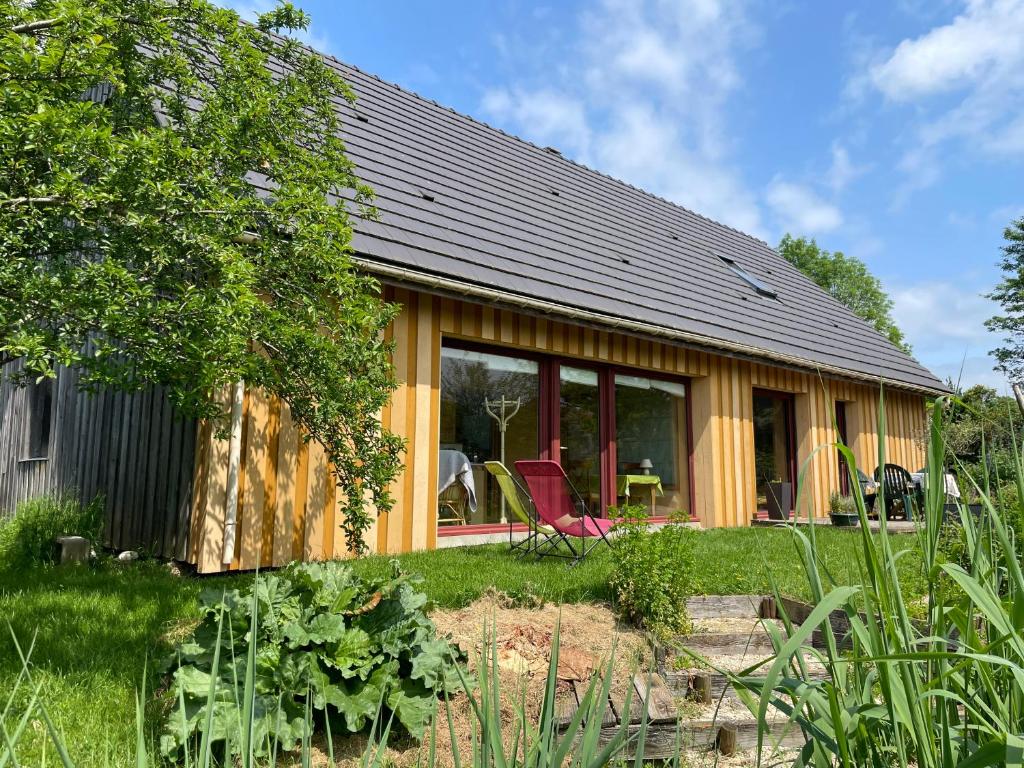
<point>893,131</point>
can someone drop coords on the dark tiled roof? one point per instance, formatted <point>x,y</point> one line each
<point>462,200</point>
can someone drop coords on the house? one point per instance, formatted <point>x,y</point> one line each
<point>547,311</point>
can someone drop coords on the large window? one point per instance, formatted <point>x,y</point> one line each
<point>40,401</point>
<point>652,455</point>
<point>489,411</point>
<point>773,449</point>
<point>619,436</point>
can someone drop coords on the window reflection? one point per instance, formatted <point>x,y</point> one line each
<point>470,435</point>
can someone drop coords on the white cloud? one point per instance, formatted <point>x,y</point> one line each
<point>842,171</point>
<point>553,117</point>
<point>965,80</point>
<point>980,42</point>
<point>800,210</point>
<point>642,97</point>
<point>1004,214</point>
<point>944,322</point>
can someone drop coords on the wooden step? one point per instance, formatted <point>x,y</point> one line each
<point>754,642</point>
<point>662,741</point>
<point>718,686</point>
<point>725,606</point>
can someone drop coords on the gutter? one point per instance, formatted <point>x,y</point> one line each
<point>461,288</point>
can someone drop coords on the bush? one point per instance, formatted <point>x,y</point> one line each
<point>321,637</point>
<point>28,539</point>
<point>651,577</point>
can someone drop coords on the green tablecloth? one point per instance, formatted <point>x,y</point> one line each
<point>623,482</point>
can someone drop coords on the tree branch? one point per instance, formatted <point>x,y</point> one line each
<point>15,201</point>
<point>32,27</point>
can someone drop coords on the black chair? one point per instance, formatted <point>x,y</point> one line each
<point>865,483</point>
<point>898,485</point>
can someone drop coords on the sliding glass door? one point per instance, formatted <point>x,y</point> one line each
<point>774,451</point>
<point>579,431</point>
<point>620,437</point>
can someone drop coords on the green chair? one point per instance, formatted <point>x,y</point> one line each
<point>513,494</point>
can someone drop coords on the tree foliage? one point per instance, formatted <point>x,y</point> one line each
<point>847,280</point>
<point>1010,294</point>
<point>134,246</point>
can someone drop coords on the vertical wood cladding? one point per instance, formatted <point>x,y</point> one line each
<point>133,449</point>
<point>287,507</point>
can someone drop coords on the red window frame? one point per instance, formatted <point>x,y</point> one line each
<point>548,437</point>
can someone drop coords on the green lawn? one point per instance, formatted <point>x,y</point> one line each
<point>95,628</point>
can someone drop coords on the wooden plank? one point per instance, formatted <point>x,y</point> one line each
<point>313,524</point>
<point>651,689</point>
<point>287,486</point>
<point>566,705</point>
<point>618,701</point>
<point>165,497</point>
<point>729,643</point>
<point>135,492</point>
<point>254,458</point>
<point>186,487</point>
<point>269,514</point>
<point>330,511</point>
<point>301,499</point>
<point>724,606</point>
<point>156,469</point>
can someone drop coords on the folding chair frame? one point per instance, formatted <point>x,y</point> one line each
<point>576,552</point>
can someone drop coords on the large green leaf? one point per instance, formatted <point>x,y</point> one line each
<point>414,704</point>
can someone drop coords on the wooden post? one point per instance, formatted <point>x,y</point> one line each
<point>701,682</point>
<point>726,741</point>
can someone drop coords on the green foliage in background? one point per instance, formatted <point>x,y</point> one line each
<point>27,539</point>
<point>652,571</point>
<point>980,428</point>
<point>129,133</point>
<point>316,637</point>
<point>1010,294</point>
<point>847,280</point>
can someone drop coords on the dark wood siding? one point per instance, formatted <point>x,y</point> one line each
<point>133,449</point>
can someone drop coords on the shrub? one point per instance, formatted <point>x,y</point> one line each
<point>314,635</point>
<point>28,539</point>
<point>841,505</point>
<point>651,576</point>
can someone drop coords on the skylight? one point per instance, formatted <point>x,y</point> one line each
<point>749,279</point>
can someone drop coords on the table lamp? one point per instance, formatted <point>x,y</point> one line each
<point>646,466</point>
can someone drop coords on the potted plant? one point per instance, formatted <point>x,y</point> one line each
<point>779,499</point>
<point>842,510</point>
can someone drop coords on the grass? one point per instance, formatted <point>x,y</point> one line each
<point>731,561</point>
<point>96,628</point>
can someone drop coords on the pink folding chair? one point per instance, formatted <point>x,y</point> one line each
<point>560,506</point>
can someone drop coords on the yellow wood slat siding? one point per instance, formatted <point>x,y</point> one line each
<point>299,512</point>
<point>269,517</point>
<point>287,495</point>
<point>286,470</point>
<point>316,497</point>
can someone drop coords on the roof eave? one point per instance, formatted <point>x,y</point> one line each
<point>459,287</point>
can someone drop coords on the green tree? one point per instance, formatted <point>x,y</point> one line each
<point>847,280</point>
<point>135,246</point>
<point>1010,294</point>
